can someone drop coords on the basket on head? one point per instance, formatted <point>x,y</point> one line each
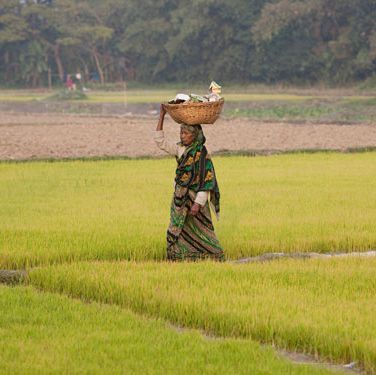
<point>195,113</point>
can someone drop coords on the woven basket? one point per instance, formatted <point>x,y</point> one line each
<point>195,113</point>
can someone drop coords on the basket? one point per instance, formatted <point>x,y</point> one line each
<point>195,113</point>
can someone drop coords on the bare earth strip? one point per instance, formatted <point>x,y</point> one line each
<point>39,136</point>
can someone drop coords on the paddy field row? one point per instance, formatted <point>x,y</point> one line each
<point>324,307</point>
<point>119,209</point>
<point>93,230</point>
<point>329,106</point>
<point>48,333</point>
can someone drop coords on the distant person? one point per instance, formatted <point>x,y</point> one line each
<point>69,82</point>
<point>190,235</point>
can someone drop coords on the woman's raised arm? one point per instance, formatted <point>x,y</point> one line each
<point>162,114</point>
<point>159,138</point>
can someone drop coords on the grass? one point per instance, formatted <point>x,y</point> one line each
<point>48,333</point>
<point>264,105</point>
<point>119,209</point>
<point>337,110</point>
<point>56,214</point>
<point>279,112</point>
<point>68,95</point>
<point>323,307</point>
<point>157,95</point>
<point>144,96</point>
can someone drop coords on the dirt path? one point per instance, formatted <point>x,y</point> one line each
<point>35,136</point>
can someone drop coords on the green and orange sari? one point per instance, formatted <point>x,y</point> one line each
<point>193,237</point>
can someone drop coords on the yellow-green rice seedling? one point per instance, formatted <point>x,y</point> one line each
<point>149,96</point>
<point>119,209</point>
<point>324,307</point>
<point>48,333</point>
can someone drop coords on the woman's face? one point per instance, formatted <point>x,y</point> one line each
<point>186,137</point>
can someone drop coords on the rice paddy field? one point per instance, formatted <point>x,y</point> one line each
<point>352,106</point>
<point>54,212</point>
<point>50,333</point>
<point>101,298</point>
<point>323,307</point>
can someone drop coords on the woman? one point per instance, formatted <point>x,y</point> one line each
<point>190,235</point>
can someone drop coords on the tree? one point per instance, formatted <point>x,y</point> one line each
<point>336,36</point>
<point>85,31</point>
<point>33,63</point>
<point>176,40</point>
<point>13,30</point>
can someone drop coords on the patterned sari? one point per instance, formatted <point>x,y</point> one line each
<point>192,237</point>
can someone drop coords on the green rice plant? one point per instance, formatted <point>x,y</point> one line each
<point>48,333</point>
<point>261,105</point>
<point>159,96</point>
<point>334,110</point>
<point>360,102</point>
<point>232,93</point>
<point>286,112</point>
<point>119,209</point>
<point>68,95</point>
<point>147,96</point>
<point>21,98</point>
<point>325,307</point>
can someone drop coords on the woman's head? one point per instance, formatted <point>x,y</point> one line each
<point>190,134</point>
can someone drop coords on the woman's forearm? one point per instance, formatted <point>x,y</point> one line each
<point>160,122</point>
<point>162,114</point>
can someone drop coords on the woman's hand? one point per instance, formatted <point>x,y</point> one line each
<point>195,209</point>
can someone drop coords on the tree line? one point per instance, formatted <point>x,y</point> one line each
<point>187,41</point>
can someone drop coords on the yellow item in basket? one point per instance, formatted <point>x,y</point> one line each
<point>215,88</point>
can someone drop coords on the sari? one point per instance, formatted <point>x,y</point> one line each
<point>193,237</point>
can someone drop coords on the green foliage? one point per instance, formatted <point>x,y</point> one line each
<point>329,110</point>
<point>280,112</point>
<point>33,62</point>
<point>13,28</point>
<point>68,95</point>
<point>370,83</point>
<point>179,41</point>
<point>333,41</point>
